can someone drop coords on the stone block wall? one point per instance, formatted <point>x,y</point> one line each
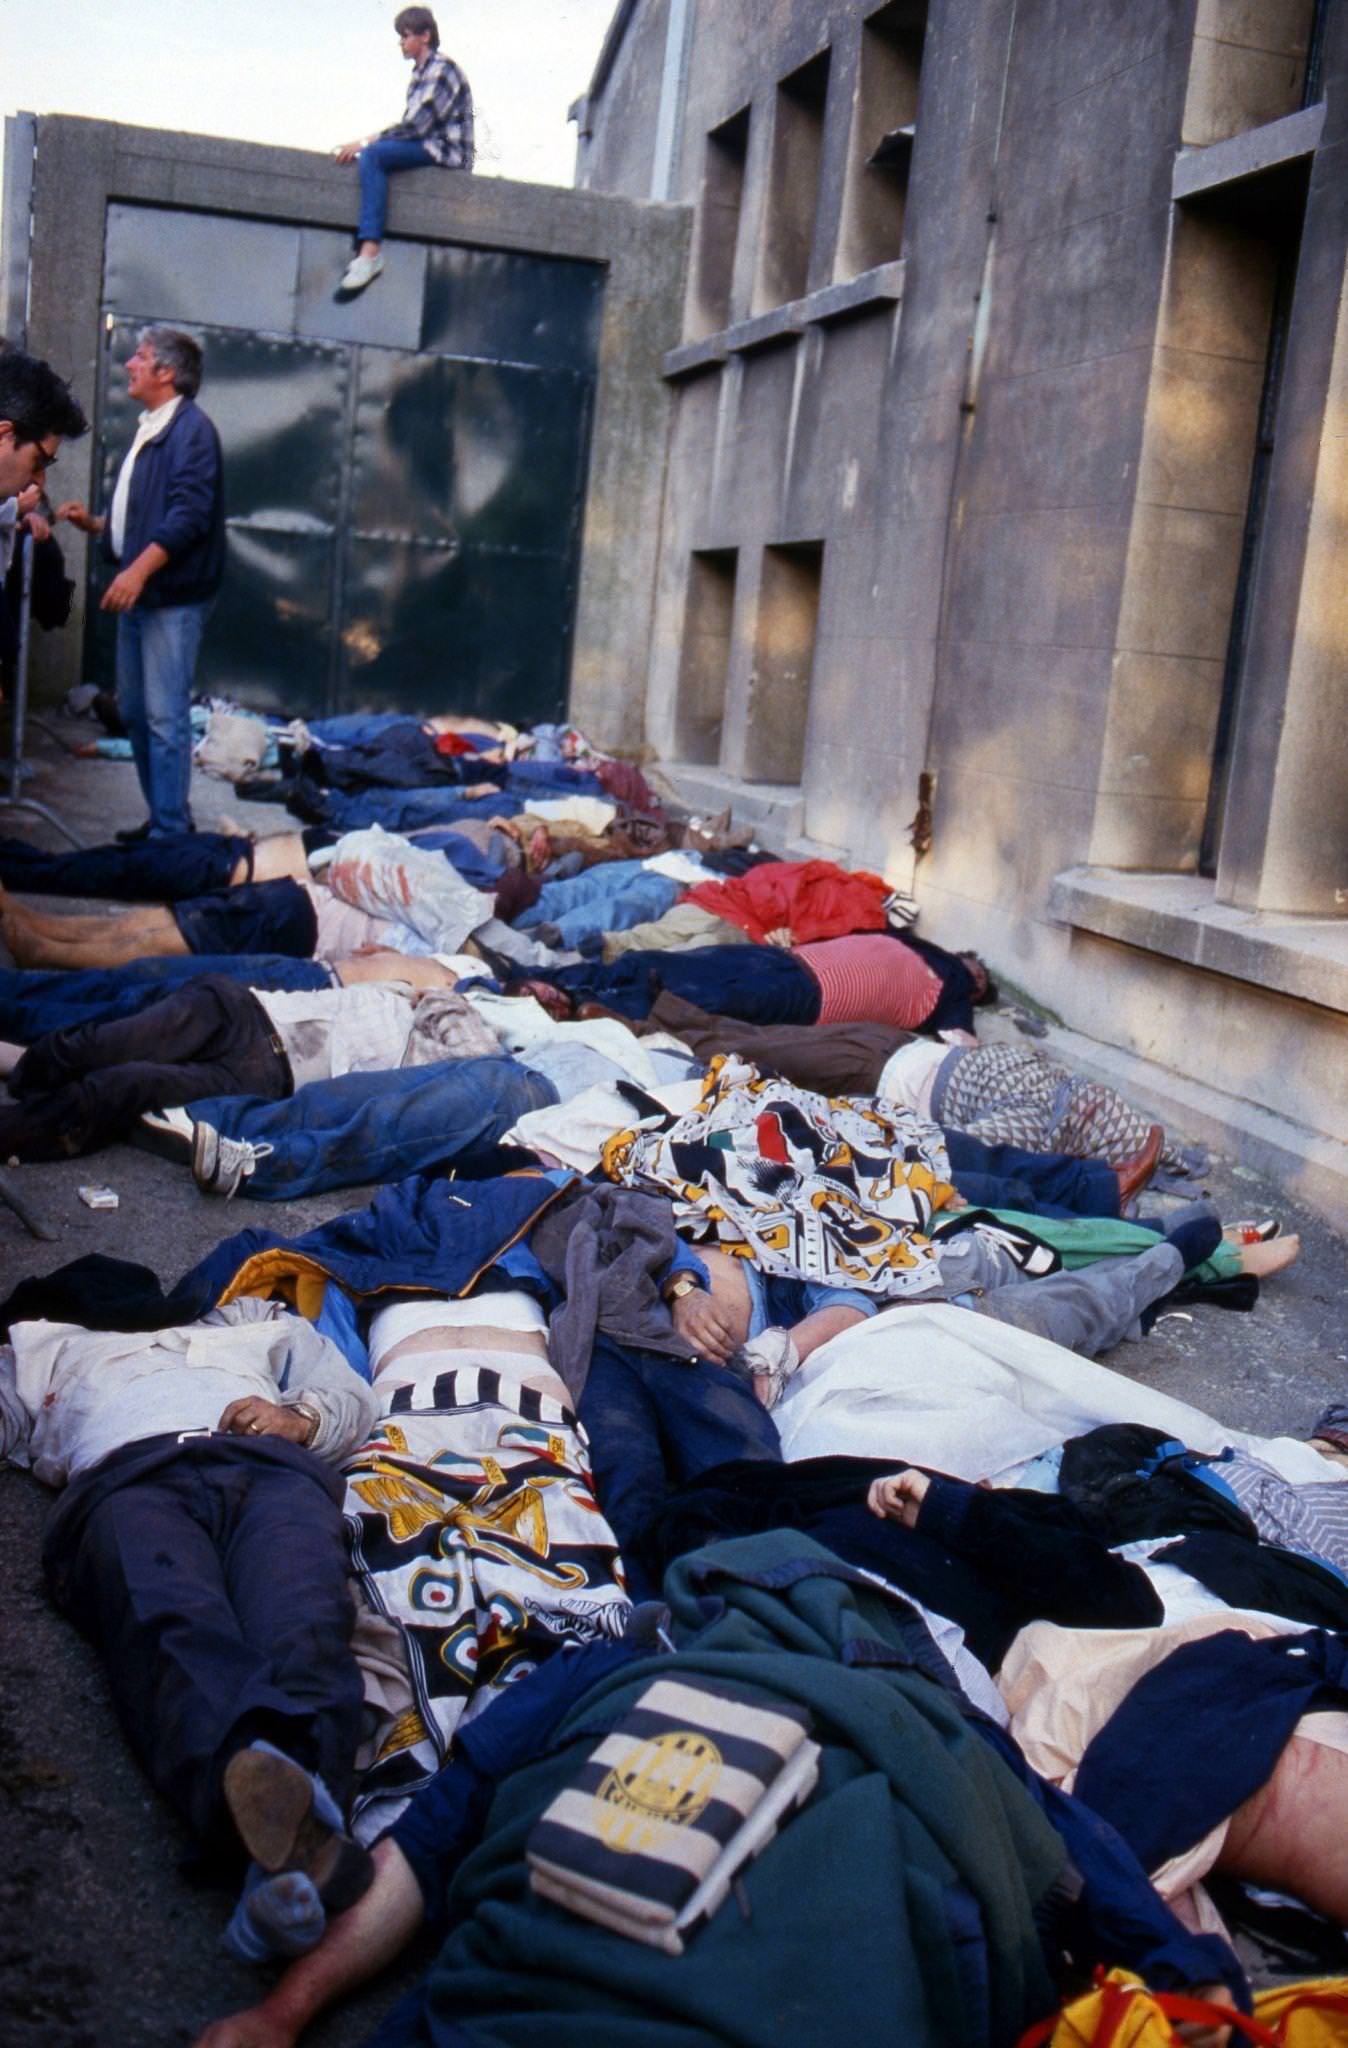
<point>1012,359</point>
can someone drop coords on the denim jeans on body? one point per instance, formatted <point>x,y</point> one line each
<point>349,728</point>
<point>654,1422</point>
<point>156,663</point>
<point>611,897</point>
<point>400,810</point>
<point>377,1127</point>
<point>36,1001</point>
<point>84,1086</point>
<point>1040,1183</point>
<point>386,153</point>
<point>159,870</point>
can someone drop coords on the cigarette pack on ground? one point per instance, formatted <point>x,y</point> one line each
<point>99,1198</point>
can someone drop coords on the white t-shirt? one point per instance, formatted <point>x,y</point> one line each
<point>910,1075</point>
<point>343,930</point>
<point>328,1032</point>
<point>151,425</point>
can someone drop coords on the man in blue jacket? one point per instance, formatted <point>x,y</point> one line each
<point>165,530</point>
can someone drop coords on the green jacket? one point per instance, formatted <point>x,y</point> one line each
<point>897,1906</point>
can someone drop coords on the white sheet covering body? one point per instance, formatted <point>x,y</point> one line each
<point>932,1384</point>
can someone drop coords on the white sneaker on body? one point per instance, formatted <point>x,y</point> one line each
<point>221,1165</point>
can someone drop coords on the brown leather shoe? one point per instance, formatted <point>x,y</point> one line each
<point>271,1802</point>
<point>1134,1173</point>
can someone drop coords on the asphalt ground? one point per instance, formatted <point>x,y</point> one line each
<point>105,1942</point>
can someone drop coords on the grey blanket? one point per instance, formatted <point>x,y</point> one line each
<point>608,1250</point>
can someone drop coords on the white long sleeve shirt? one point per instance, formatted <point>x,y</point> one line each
<point>149,427</point>
<point>70,1396</point>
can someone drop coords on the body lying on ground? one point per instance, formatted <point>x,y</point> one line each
<point>83,1086</point>
<point>198,1543</point>
<point>453,1453</point>
<point>371,889</point>
<point>771,1620</point>
<point>871,978</point>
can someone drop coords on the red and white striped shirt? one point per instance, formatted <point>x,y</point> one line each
<point>871,979</point>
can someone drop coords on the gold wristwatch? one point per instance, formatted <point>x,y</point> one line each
<point>311,1416</point>
<point>681,1284</point>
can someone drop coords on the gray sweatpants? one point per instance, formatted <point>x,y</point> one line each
<point>1089,1310</point>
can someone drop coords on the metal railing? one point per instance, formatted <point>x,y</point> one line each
<point>14,799</point>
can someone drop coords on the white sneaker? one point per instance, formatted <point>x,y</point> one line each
<point>359,272</point>
<point>221,1165</point>
<point>170,1132</point>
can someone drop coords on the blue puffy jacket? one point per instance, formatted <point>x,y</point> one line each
<point>177,501</point>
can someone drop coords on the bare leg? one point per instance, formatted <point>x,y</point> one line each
<point>1290,1835</point>
<point>64,927</point>
<point>356,1946</point>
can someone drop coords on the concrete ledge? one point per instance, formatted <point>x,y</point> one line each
<point>1198,171</point>
<point>1313,1168</point>
<point>882,286</point>
<point>692,357</point>
<point>1178,915</point>
<point>774,811</point>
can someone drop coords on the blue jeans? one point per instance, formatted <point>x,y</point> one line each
<point>611,897</point>
<point>34,1002</point>
<point>552,778</point>
<point>156,663</point>
<point>350,728</point>
<point>1039,1183</point>
<point>387,153</point>
<point>402,810</point>
<point>757,984</point>
<point>377,1127</point>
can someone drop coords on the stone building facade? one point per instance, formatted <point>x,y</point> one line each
<point>1007,486</point>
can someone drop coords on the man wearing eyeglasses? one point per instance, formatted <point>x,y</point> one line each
<point>37,413</point>
<point>165,530</point>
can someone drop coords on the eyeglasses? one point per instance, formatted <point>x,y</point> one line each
<point>46,459</point>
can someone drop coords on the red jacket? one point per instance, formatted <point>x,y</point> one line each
<point>813,899</point>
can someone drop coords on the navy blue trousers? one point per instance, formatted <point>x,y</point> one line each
<point>212,1578</point>
<point>654,1422</point>
<point>757,984</point>
<point>160,870</point>
<point>1037,1183</point>
<point>34,1001</point>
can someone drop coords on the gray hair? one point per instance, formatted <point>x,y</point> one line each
<point>176,351</point>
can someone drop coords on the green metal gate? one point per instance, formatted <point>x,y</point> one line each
<point>404,475</point>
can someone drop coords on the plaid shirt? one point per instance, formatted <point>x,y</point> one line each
<point>439,113</point>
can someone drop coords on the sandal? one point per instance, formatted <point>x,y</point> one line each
<point>1248,1232</point>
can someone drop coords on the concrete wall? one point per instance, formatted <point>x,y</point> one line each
<point>79,167</point>
<point>1020,449</point>
<point>620,156</point>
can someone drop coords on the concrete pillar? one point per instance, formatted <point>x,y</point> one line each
<point>1285,835</point>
